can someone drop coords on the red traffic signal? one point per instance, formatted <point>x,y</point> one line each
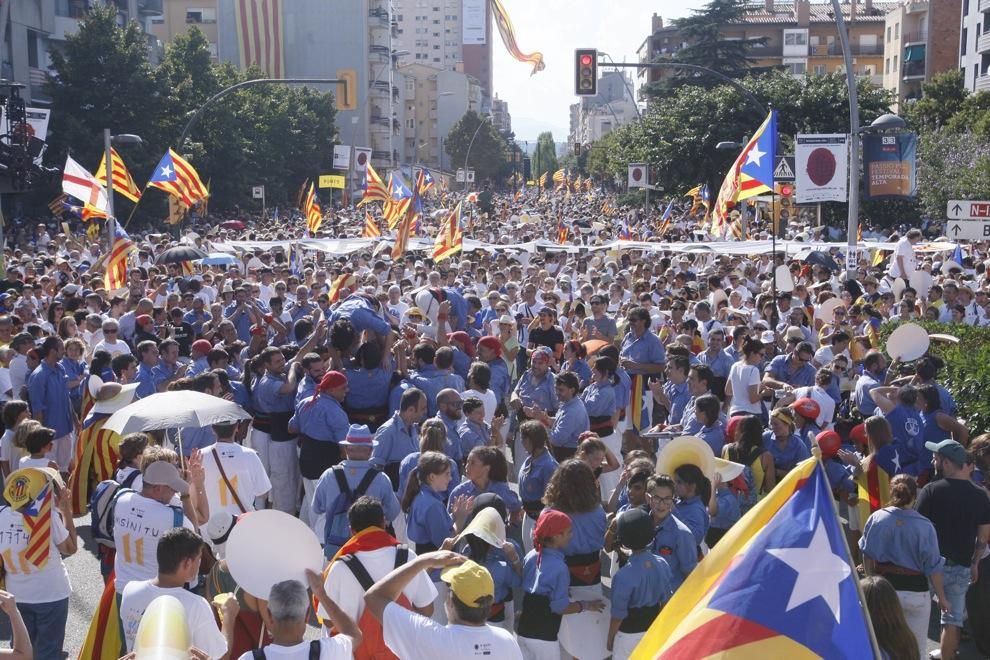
<point>787,190</point>
<point>586,72</point>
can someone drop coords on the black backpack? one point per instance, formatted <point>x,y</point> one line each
<point>314,651</point>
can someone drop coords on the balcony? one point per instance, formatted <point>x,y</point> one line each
<point>379,17</point>
<point>917,37</point>
<point>984,6</point>
<point>913,70</point>
<point>149,7</point>
<point>983,43</point>
<point>379,120</point>
<point>835,49</point>
<point>37,78</point>
<point>761,52</point>
<point>983,83</point>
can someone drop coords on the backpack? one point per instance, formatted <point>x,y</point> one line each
<point>314,651</point>
<point>372,637</point>
<point>338,529</point>
<point>101,504</point>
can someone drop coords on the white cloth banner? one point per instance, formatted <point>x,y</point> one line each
<point>821,168</point>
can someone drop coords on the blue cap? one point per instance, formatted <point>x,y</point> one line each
<point>358,435</point>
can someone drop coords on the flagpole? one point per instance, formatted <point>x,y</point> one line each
<point>108,166</point>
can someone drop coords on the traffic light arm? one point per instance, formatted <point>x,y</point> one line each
<point>245,83</point>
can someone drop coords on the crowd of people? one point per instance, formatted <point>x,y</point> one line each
<point>479,442</point>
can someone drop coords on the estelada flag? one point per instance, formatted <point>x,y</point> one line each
<point>374,187</point>
<point>873,483</point>
<point>177,177</point>
<point>450,238</point>
<point>779,584</point>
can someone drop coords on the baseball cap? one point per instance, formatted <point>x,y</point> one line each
<point>469,582</point>
<point>25,485</point>
<point>949,449</point>
<point>218,531</point>
<point>163,473</point>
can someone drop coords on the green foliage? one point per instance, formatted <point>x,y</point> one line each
<point>269,135</point>
<point>967,369</point>
<point>489,152</point>
<point>545,156</point>
<point>951,166</point>
<point>941,98</point>
<point>707,45</point>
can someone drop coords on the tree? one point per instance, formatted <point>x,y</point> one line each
<point>942,97</point>
<point>545,156</point>
<point>489,152</point>
<point>951,166</point>
<point>707,44</point>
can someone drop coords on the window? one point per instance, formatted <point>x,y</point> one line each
<point>819,69</point>
<point>895,64</point>
<point>965,7</point>
<point>201,15</point>
<point>436,59</point>
<point>886,65</point>
<point>795,38</point>
<point>897,30</point>
<point>888,34</point>
<point>158,20</point>
<point>963,41</point>
<point>213,51</point>
<point>797,68</point>
<point>32,49</point>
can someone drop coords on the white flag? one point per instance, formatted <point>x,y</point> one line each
<point>79,183</point>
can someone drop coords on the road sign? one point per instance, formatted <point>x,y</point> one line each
<point>341,157</point>
<point>784,169</point>
<point>331,181</point>
<point>968,209</point>
<point>258,192</point>
<point>459,178</point>
<point>968,230</point>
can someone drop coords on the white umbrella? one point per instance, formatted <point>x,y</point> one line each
<point>174,410</point>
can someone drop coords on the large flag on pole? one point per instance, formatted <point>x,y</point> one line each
<point>79,183</point>
<point>116,273</point>
<point>314,214</point>
<point>177,177</point>
<point>123,182</point>
<point>779,584</point>
<point>374,187</point>
<point>398,202</point>
<point>751,174</point>
<point>450,238</point>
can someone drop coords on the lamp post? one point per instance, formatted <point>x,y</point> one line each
<point>467,155</point>
<point>108,141</point>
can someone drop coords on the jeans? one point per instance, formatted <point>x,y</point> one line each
<point>956,580</point>
<point>45,623</point>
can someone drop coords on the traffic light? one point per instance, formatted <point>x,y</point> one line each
<point>586,71</point>
<point>783,206</point>
<point>347,90</point>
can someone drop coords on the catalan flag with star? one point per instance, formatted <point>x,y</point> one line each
<point>397,206</point>
<point>123,182</point>
<point>374,187</point>
<point>751,174</point>
<point>779,584</point>
<point>177,177</point>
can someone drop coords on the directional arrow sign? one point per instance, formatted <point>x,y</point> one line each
<point>968,209</point>
<point>968,230</point>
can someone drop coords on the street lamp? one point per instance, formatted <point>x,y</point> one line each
<point>108,140</point>
<point>467,155</point>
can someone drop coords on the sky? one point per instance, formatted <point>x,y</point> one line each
<point>556,27</point>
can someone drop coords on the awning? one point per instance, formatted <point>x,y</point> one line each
<point>914,53</point>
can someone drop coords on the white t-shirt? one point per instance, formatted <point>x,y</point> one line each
<point>114,348</point>
<point>331,648</point>
<point>906,250</point>
<point>27,582</point>
<point>138,523</point>
<point>28,462</point>
<point>741,376</point>
<point>826,404</point>
<point>203,630</point>
<point>8,451</point>
<point>488,398</point>
<point>5,384</point>
<point>18,373</point>
<point>411,636</point>
<point>344,589</point>
<point>245,472</point>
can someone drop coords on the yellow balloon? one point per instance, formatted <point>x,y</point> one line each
<point>163,633</point>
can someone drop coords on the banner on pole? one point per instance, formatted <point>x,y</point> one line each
<point>822,168</point>
<point>638,175</point>
<point>889,166</point>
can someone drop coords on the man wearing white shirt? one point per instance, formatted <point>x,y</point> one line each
<point>111,342</point>
<point>235,478</point>
<point>904,261</point>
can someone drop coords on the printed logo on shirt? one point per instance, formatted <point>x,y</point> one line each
<point>666,551</point>
<point>483,648</point>
<point>911,426</point>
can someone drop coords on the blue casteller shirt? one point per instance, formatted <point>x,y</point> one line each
<point>362,315</point>
<point>381,489</point>
<point>694,513</point>
<point>599,400</point>
<point>462,363</point>
<point>499,383</point>
<point>551,578</point>
<point>306,388</point>
<point>644,581</point>
<point>242,322</point>
<point>472,434</point>
<point>583,371</point>
<point>728,509</point>
<point>541,393</point>
<point>588,532</point>
<point>49,395</point>
<point>266,398</point>
<point>146,382</point>
<point>674,543</point>
<point>902,537</point>
<point>906,427</point>
<point>453,447</point>
<point>645,349</point>
<point>570,421</point>
<point>622,389</point>
<point>428,522</point>
<point>431,380</point>
<point>780,369</point>
<point>162,372</point>
<point>679,395</point>
<point>786,457</point>
<point>720,363</point>
<point>367,388</point>
<point>534,476</point>
<point>499,488</point>
<point>396,440</point>
<point>75,369</point>
<point>408,464</point>
<point>320,417</point>
<point>713,435</point>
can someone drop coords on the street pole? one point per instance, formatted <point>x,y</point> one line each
<point>111,219</point>
<point>467,155</point>
<point>852,222</point>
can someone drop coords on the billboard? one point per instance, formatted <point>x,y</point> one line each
<point>821,164</point>
<point>889,167</point>
<point>474,15</point>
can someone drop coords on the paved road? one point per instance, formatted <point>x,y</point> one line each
<point>87,587</point>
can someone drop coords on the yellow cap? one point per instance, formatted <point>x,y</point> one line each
<point>469,582</point>
<point>23,486</point>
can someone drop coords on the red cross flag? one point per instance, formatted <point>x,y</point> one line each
<point>79,183</point>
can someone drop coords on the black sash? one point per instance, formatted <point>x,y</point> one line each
<point>392,471</point>
<point>533,508</point>
<point>538,621</point>
<point>585,568</point>
<point>276,424</point>
<point>317,456</point>
<point>373,417</point>
<point>639,619</point>
<point>601,424</point>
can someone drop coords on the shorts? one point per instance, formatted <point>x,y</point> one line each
<point>956,584</point>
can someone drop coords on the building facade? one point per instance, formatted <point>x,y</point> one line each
<point>501,119</point>
<point>593,117</point>
<point>434,100</point>
<point>663,42</point>
<point>178,16</point>
<point>921,39</point>
<point>974,44</point>
<point>31,30</point>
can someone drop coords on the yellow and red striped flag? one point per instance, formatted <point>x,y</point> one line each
<point>375,188</point>
<point>301,195</point>
<point>371,229</point>
<point>560,177</point>
<point>123,182</point>
<point>404,231</point>
<point>116,274</point>
<point>543,180</point>
<point>57,205</point>
<point>177,177</point>
<point>450,238</point>
<point>346,280</point>
<point>314,215</point>
<point>258,26</point>
<point>38,525</point>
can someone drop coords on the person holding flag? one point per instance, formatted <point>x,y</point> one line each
<point>37,531</point>
<point>751,174</point>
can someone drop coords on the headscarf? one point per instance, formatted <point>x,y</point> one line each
<point>550,523</point>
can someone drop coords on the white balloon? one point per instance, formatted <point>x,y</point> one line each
<point>908,342</point>
<point>785,282</point>
<point>163,633</point>
<point>267,547</point>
